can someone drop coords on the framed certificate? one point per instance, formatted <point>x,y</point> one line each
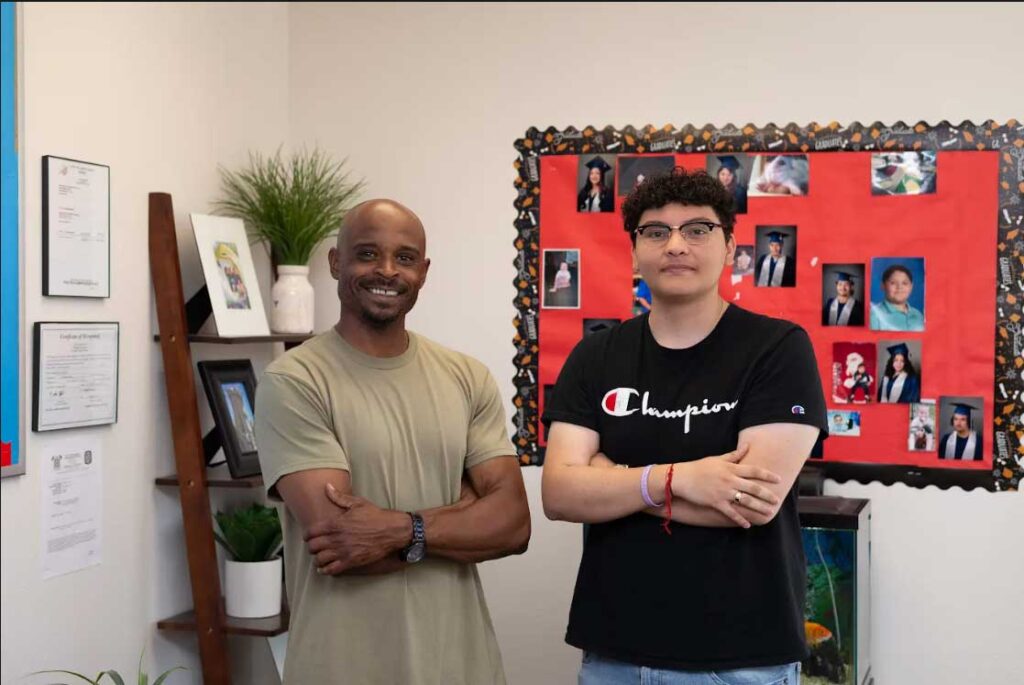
<point>74,374</point>
<point>76,228</point>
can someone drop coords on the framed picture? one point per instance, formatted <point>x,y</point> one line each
<point>868,233</point>
<point>76,228</point>
<point>74,374</point>
<point>230,276</point>
<point>231,390</point>
<point>12,460</point>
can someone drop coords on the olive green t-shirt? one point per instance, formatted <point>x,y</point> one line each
<point>405,428</point>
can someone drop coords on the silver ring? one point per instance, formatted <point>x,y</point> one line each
<point>737,497</point>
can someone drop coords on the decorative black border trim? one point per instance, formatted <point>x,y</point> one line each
<point>1007,139</point>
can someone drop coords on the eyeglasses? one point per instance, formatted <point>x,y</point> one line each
<point>693,232</point>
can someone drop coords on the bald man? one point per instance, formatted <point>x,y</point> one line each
<point>392,457</point>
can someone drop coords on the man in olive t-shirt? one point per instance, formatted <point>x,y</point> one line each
<point>391,455</point>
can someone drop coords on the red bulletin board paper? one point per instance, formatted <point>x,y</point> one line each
<point>839,221</point>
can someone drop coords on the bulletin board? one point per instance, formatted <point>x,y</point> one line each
<point>12,461</point>
<point>941,204</point>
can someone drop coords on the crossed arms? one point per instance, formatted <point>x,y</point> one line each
<point>578,485</point>
<point>349,534</point>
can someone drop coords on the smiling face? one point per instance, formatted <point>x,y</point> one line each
<point>595,176</point>
<point>898,287</point>
<point>676,270</point>
<point>380,263</point>
<point>898,362</point>
<point>843,289</point>
<point>726,177</point>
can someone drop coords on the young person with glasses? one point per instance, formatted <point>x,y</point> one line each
<point>693,567</point>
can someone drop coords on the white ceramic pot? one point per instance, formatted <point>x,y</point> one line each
<point>252,589</point>
<point>293,301</point>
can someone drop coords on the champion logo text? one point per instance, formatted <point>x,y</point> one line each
<point>626,401</point>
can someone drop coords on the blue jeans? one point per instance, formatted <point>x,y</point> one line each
<point>597,670</point>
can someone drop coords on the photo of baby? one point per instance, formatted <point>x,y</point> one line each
<point>775,175</point>
<point>561,279</point>
<point>852,366</point>
<point>845,424</point>
<point>921,435</point>
<point>743,263</point>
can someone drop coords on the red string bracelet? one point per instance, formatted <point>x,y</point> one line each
<point>668,501</point>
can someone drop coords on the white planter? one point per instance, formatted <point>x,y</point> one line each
<point>252,589</point>
<point>293,301</point>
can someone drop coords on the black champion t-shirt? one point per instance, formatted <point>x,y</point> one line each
<point>701,598</point>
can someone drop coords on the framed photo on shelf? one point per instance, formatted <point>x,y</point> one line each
<point>76,228</point>
<point>230,276</point>
<point>231,390</point>
<point>74,374</point>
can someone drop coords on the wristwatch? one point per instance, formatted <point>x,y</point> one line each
<point>417,549</point>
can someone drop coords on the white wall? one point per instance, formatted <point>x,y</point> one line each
<point>162,93</point>
<point>426,102</point>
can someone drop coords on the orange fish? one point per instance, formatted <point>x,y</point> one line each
<point>816,633</point>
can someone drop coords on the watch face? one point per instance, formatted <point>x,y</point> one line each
<point>415,552</point>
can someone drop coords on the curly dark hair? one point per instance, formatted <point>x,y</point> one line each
<point>695,188</point>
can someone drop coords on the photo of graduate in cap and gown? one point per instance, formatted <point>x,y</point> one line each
<point>596,194</point>
<point>777,268</point>
<point>729,174</point>
<point>844,309</point>
<point>964,442</point>
<point>900,382</point>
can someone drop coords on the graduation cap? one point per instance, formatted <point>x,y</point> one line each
<point>776,236</point>
<point>901,348</point>
<point>843,276</point>
<point>598,163</point>
<point>963,409</point>
<point>729,162</point>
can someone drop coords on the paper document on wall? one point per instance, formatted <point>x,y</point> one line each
<point>72,507</point>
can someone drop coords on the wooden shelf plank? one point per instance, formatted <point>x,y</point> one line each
<point>256,627</point>
<point>218,340</point>
<point>222,482</point>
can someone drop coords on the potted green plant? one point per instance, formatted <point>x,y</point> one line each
<point>142,678</point>
<point>290,206</point>
<point>252,574</point>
